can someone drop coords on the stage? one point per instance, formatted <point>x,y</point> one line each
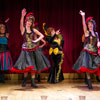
<point>61,91</point>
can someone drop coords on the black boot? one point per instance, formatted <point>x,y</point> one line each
<point>89,84</point>
<point>2,78</point>
<point>86,82</point>
<point>24,82</point>
<point>39,78</point>
<point>33,83</point>
<point>98,78</point>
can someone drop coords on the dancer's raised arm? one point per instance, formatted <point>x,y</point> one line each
<point>6,25</point>
<point>84,23</point>
<point>22,21</point>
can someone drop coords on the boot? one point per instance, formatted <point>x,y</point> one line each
<point>98,78</point>
<point>39,78</point>
<point>89,84</point>
<point>2,78</point>
<point>86,82</point>
<point>24,82</point>
<point>33,83</point>
<point>2,81</point>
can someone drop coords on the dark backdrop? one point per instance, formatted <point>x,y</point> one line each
<point>63,14</point>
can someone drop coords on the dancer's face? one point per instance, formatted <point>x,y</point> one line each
<point>29,23</point>
<point>2,30</point>
<point>52,32</point>
<point>90,26</point>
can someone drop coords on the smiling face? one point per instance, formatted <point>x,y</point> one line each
<point>29,23</point>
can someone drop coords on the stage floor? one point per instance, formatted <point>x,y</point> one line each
<point>60,91</point>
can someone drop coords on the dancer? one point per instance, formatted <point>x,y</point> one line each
<point>89,60</point>
<point>56,40</point>
<point>5,57</point>
<point>30,59</point>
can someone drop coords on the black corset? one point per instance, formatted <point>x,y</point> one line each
<point>3,48</point>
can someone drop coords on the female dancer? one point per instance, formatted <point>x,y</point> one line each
<point>89,60</point>
<point>5,57</point>
<point>30,59</point>
<point>56,40</point>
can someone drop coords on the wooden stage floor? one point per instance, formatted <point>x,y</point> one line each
<point>60,91</point>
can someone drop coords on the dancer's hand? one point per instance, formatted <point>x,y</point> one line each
<point>34,41</point>
<point>58,32</point>
<point>24,12</point>
<point>98,44</point>
<point>7,20</point>
<point>82,13</point>
<point>41,46</point>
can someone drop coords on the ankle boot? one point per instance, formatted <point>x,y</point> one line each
<point>33,83</point>
<point>24,82</point>
<point>39,78</point>
<point>86,82</point>
<point>98,79</point>
<point>2,78</point>
<point>89,84</point>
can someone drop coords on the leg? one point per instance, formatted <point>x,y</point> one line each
<point>98,78</point>
<point>2,78</point>
<point>59,61</point>
<point>56,74</point>
<point>52,75</point>
<point>38,78</point>
<point>25,78</point>
<point>86,79</point>
<point>33,80</point>
<point>88,75</point>
<point>89,81</point>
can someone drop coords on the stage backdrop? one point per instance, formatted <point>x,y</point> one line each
<point>60,14</point>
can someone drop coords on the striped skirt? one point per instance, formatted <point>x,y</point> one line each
<point>5,61</point>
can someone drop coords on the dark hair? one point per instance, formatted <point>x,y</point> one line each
<point>94,24</point>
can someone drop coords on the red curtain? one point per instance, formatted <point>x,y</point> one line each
<point>63,14</point>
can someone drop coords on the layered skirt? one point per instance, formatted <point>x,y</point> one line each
<point>87,62</point>
<point>33,61</point>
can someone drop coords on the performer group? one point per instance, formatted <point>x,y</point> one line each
<point>32,60</point>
